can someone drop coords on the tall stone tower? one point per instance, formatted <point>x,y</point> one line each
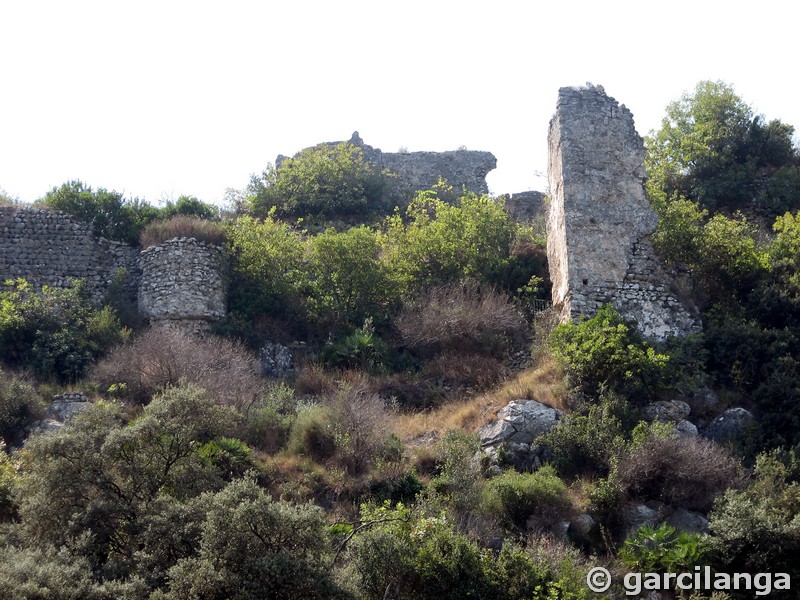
<point>599,221</point>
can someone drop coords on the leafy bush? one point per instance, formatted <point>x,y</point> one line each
<point>253,547</point>
<point>56,332</point>
<point>586,444</point>
<point>664,549</point>
<point>358,349</point>
<point>441,243</point>
<point>605,352</point>
<point>325,180</point>
<point>108,213</point>
<point>114,493</point>
<point>527,500</point>
<point>189,206</point>
<point>757,529</point>
<point>20,405</point>
<point>269,272</point>
<point>349,281</point>
<point>460,317</point>
<point>407,554</point>
<point>688,472</point>
<point>183,226</point>
<point>268,421</point>
<point>158,359</point>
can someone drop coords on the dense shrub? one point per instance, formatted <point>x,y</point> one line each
<point>460,317</point>
<point>56,333</point>
<point>586,444</point>
<point>186,226</point>
<point>253,547</point>
<point>688,472</point>
<point>108,213</point>
<point>269,274</point>
<point>605,352</point>
<point>349,281</point>
<point>402,553</point>
<point>441,243</point>
<point>189,206</point>
<point>524,501</point>
<point>664,549</point>
<point>325,180</point>
<point>20,405</point>
<point>268,421</point>
<point>114,493</point>
<point>158,359</point>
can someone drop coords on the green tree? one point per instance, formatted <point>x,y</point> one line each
<point>440,242</point>
<point>713,149</point>
<point>56,333</point>
<point>120,495</point>
<point>189,206</point>
<point>324,180</point>
<point>349,281</point>
<point>269,271</point>
<point>108,213</point>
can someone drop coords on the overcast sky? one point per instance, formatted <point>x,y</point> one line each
<point>159,99</point>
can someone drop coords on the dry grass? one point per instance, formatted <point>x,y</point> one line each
<point>183,226</point>
<point>543,382</point>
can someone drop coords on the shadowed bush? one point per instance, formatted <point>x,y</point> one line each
<point>160,359</point>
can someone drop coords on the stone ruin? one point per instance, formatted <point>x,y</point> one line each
<point>415,171</point>
<point>599,221</point>
<point>179,284</point>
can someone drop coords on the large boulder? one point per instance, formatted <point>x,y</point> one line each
<point>276,361</point>
<point>671,411</point>
<point>520,422</point>
<point>730,426</point>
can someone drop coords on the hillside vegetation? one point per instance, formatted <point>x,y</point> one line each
<point>361,475</point>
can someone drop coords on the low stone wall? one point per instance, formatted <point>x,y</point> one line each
<point>49,248</point>
<point>183,284</point>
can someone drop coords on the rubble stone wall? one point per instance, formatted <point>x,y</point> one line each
<point>599,220</point>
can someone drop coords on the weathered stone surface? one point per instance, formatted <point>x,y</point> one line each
<point>183,280</point>
<point>520,422</point>
<point>686,428</point>
<point>415,171</point>
<point>66,406</point>
<point>687,520</point>
<point>50,248</point>
<point>664,411</point>
<point>525,206</point>
<point>730,426</point>
<point>636,515</point>
<point>276,361</point>
<point>599,222</point>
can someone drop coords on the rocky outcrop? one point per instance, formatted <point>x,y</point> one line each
<point>599,221</point>
<point>513,434</point>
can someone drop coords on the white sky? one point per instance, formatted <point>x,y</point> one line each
<point>159,99</point>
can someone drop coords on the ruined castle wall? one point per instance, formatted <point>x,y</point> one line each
<point>183,284</point>
<point>415,171</point>
<point>50,248</point>
<point>420,170</point>
<point>599,220</point>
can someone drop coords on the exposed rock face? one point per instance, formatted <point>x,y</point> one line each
<point>66,406</point>
<point>730,426</point>
<point>415,171</point>
<point>183,284</point>
<point>49,248</point>
<point>525,206</point>
<point>276,361</point>
<point>521,421</point>
<point>599,222</point>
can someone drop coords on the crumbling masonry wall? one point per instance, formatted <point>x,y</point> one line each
<point>179,284</point>
<point>49,248</point>
<point>183,284</point>
<point>599,221</point>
